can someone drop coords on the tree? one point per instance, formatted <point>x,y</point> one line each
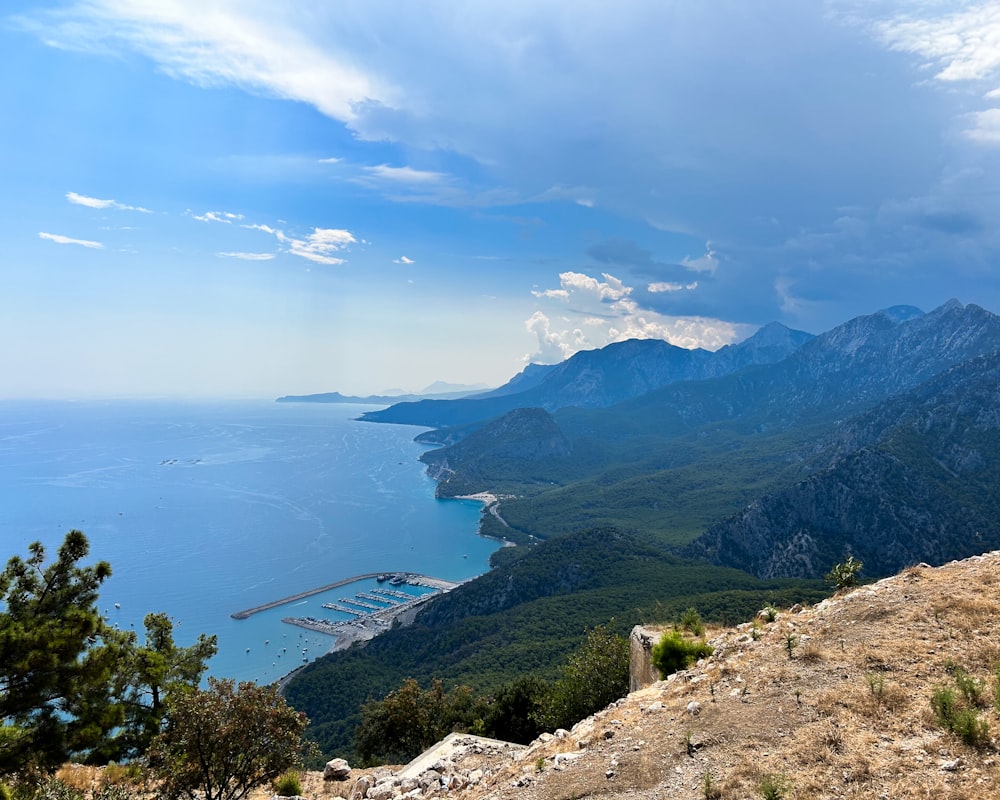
<point>148,675</point>
<point>596,674</point>
<point>516,712</point>
<point>220,743</point>
<point>409,720</point>
<point>57,658</point>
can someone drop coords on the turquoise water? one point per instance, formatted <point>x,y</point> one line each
<point>204,509</point>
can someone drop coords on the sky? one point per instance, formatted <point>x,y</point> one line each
<point>243,198</point>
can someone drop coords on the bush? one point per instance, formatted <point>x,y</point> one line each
<point>955,716</point>
<point>674,652</point>
<point>773,787</point>
<point>288,784</point>
<point>845,574</point>
<point>691,622</point>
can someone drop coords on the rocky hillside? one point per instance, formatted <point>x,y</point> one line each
<point>831,701</point>
<point>913,480</point>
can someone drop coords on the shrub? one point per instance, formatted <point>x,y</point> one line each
<point>288,784</point>
<point>954,715</point>
<point>773,787</point>
<point>691,622</point>
<point>845,574</point>
<point>674,652</point>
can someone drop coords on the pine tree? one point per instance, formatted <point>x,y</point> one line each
<point>57,658</point>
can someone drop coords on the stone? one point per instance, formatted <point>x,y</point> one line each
<point>361,787</point>
<point>336,770</point>
<point>693,708</point>
<point>382,791</point>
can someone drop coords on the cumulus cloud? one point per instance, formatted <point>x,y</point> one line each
<point>403,260</point>
<point>60,239</point>
<point>985,126</point>
<point>594,312</point>
<point>93,202</point>
<point>963,43</point>
<point>320,245</point>
<point>553,347</point>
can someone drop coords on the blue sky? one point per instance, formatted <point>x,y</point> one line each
<point>250,198</point>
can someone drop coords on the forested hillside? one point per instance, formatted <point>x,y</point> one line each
<point>876,439</point>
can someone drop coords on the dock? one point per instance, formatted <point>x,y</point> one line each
<point>394,578</point>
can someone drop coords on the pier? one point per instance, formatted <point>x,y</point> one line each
<point>394,578</point>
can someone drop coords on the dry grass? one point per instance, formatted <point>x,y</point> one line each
<point>847,716</point>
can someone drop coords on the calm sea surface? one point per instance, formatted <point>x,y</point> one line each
<point>204,509</point>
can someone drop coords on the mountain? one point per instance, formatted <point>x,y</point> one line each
<point>377,399</point>
<point>913,480</point>
<point>526,379</point>
<point>683,458</point>
<point>600,378</point>
<point>524,436</point>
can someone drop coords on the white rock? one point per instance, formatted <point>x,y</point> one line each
<point>336,770</point>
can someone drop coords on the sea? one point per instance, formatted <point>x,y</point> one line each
<point>208,508</point>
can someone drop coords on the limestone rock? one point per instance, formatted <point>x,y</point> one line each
<point>336,770</point>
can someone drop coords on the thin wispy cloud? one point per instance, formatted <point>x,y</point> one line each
<point>60,239</point>
<point>263,47</point>
<point>248,256</point>
<point>403,260</point>
<point>94,202</point>
<point>218,216</point>
<point>404,174</point>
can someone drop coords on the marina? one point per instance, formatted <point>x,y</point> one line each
<point>394,578</point>
<point>373,611</point>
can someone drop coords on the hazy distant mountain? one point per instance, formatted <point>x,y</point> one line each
<point>377,399</point>
<point>600,378</point>
<point>443,387</point>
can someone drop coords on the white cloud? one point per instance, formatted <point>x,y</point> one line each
<point>330,160</point>
<point>963,43</point>
<point>248,256</point>
<point>707,263</point>
<point>93,202</point>
<point>552,347</point>
<point>667,286</point>
<point>59,239</point>
<point>986,126</point>
<point>262,46</point>
<point>604,311</point>
<point>403,260</point>
<point>319,245</point>
<point>404,174</point>
<point>264,228</point>
<point>218,216</point>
